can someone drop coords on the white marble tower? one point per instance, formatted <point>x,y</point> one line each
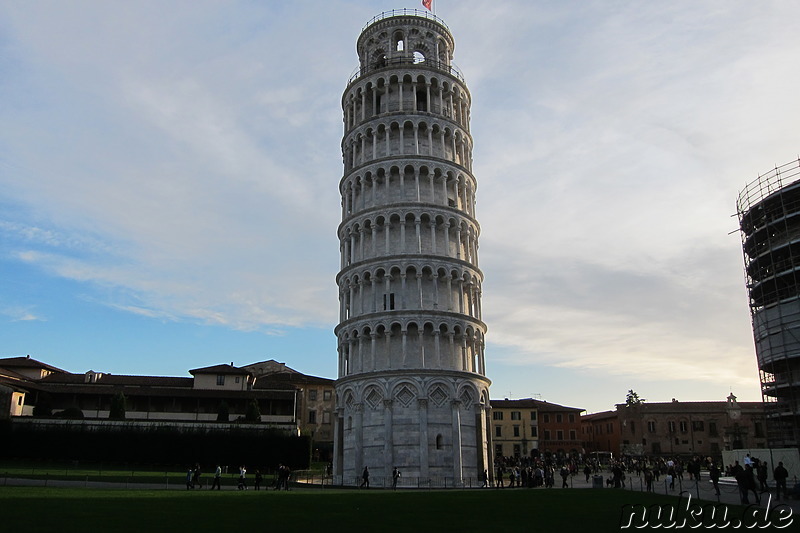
<point>412,390</point>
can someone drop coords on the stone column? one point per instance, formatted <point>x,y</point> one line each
<point>424,471</point>
<point>358,438</point>
<point>457,466</point>
<point>388,443</point>
<point>338,438</point>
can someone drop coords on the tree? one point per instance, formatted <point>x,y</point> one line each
<point>223,413</point>
<point>632,399</point>
<point>253,413</point>
<point>118,407</point>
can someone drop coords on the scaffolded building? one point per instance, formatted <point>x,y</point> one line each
<point>769,220</point>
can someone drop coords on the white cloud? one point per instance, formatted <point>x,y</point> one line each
<point>188,158</point>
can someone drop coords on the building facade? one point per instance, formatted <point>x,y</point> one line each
<point>287,400</point>
<point>769,220</point>
<point>315,403</point>
<point>411,389</point>
<point>676,429</point>
<point>515,428</point>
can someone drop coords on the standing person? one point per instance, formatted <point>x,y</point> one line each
<point>751,481</point>
<point>196,477</point>
<point>587,470</point>
<point>259,477</point>
<point>648,479</point>
<point>365,478</point>
<point>189,478</point>
<point>485,479</point>
<point>217,478</point>
<point>713,473</point>
<point>780,474</point>
<point>242,478</point>
<point>761,475</point>
<point>564,476</point>
<point>395,477</point>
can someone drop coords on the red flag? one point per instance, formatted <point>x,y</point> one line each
<point>427,4</point>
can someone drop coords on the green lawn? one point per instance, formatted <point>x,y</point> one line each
<point>556,510</point>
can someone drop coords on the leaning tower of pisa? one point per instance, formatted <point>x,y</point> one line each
<point>412,390</point>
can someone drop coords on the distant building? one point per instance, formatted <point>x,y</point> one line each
<point>316,401</point>
<point>600,433</point>
<point>529,427</point>
<point>285,397</point>
<point>675,428</point>
<point>515,428</point>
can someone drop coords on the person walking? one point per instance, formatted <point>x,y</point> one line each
<point>564,476</point>
<point>780,474</point>
<point>395,477</point>
<point>242,478</point>
<point>365,478</point>
<point>713,473</point>
<point>217,478</point>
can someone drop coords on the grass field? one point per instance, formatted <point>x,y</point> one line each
<point>81,510</point>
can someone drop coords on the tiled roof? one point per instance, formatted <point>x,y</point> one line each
<point>530,403</point>
<point>221,369</point>
<point>120,380</point>
<point>26,362</point>
<point>133,391</point>
<point>295,377</point>
<point>602,415</point>
<point>689,407</point>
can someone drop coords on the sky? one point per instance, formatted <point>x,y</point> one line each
<point>169,184</point>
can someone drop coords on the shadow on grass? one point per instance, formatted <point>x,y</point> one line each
<point>82,510</point>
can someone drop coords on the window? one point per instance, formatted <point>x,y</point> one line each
<point>651,426</point>
<point>546,419</point>
<point>559,418</point>
<point>684,426</point>
<point>326,395</point>
<point>759,429</point>
<point>533,415</point>
<point>546,434</point>
<point>312,417</point>
<point>698,425</point>
<point>220,381</point>
<point>560,434</point>
<point>517,450</point>
<point>534,431</point>
<point>671,426</point>
<point>572,417</point>
<point>516,415</point>
<point>236,380</point>
<point>388,301</point>
<point>312,395</point>
<point>498,450</point>
<point>573,435</point>
<point>438,442</point>
<point>497,415</point>
<point>516,431</point>
<point>610,427</point>
<point>326,417</point>
<point>712,429</point>
<point>19,400</point>
<point>498,431</point>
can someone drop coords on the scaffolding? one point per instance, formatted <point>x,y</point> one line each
<point>769,221</point>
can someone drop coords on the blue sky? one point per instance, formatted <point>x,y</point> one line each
<point>169,184</point>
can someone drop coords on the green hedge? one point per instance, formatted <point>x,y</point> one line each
<point>163,445</point>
